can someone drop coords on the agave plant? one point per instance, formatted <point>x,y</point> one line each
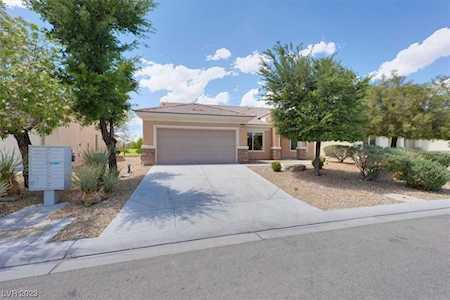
<point>4,186</point>
<point>97,158</point>
<point>110,179</point>
<point>9,165</point>
<point>87,178</point>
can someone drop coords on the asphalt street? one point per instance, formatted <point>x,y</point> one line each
<point>398,260</point>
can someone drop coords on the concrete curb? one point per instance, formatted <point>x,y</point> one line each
<point>81,262</point>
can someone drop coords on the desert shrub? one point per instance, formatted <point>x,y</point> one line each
<point>340,152</point>
<point>442,158</point>
<point>426,175</point>
<point>9,163</point>
<point>398,161</point>
<point>110,179</point>
<point>321,162</point>
<point>87,178</point>
<point>276,166</point>
<point>4,186</point>
<point>369,160</point>
<point>95,158</point>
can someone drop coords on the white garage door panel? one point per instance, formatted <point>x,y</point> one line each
<point>178,146</point>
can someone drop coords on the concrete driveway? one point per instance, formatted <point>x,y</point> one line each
<point>186,202</point>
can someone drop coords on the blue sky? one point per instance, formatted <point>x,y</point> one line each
<point>367,37</point>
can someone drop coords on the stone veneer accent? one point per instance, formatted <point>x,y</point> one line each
<point>276,153</point>
<point>148,157</point>
<point>243,155</point>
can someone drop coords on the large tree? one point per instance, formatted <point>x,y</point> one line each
<point>94,35</point>
<point>31,95</point>
<point>314,99</point>
<point>398,108</point>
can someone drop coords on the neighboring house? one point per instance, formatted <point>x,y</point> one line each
<point>426,145</point>
<point>198,133</point>
<point>79,138</point>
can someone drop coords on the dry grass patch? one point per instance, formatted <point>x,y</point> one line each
<point>340,186</point>
<point>89,222</point>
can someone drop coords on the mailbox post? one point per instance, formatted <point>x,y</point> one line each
<point>50,170</point>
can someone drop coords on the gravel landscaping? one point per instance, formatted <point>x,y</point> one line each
<point>15,203</point>
<point>89,222</point>
<point>340,186</point>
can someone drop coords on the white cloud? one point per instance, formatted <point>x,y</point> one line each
<point>250,63</point>
<point>417,55</point>
<point>182,84</point>
<point>220,98</point>
<point>251,99</point>
<point>135,127</point>
<point>319,48</point>
<point>14,3</point>
<point>222,53</point>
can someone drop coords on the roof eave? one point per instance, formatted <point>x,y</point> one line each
<point>187,117</point>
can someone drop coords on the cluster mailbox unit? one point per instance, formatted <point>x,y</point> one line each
<point>50,170</point>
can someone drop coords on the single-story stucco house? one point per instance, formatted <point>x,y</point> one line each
<point>177,133</point>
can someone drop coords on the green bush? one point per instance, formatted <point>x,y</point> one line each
<point>442,158</point>
<point>369,160</point>
<point>9,164</point>
<point>321,162</point>
<point>426,175</point>
<point>110,179</point>
<point>87,178</point>
<point>276,166</point>
<point>398,161</point>
<point>340,152</point>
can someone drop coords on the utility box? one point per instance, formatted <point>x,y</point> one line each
<point>50,170</point>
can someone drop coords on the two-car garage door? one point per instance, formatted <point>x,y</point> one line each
<point>184,146</point>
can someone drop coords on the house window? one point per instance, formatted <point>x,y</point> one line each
<point>372,141</point>
<point>294,145</point>
<point>255,141</point>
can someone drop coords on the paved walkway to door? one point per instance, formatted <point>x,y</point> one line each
<point>186,202</point>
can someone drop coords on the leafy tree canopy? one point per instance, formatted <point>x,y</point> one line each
<point>313,99</point>
<point>31,95</point>
<point>94,35</point>
<point>398,108</point>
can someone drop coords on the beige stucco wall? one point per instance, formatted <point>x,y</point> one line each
<point>77,137</point>
<point>148,126</point>
<point>267,141</point>
<point>271,139</point>
<point>286,152</point>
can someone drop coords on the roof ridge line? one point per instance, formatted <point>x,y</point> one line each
<point>216,106</point>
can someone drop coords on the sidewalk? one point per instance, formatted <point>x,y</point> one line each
<point>24,236</point>
<point>43,258</point>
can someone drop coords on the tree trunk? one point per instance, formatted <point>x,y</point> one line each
<point>317,159</point>
<point>394,142</point>
<point>107,130</point>
<point>23,141</point>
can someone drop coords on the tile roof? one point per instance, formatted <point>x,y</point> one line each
<point>216,110</point>
<point>195,108</point>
